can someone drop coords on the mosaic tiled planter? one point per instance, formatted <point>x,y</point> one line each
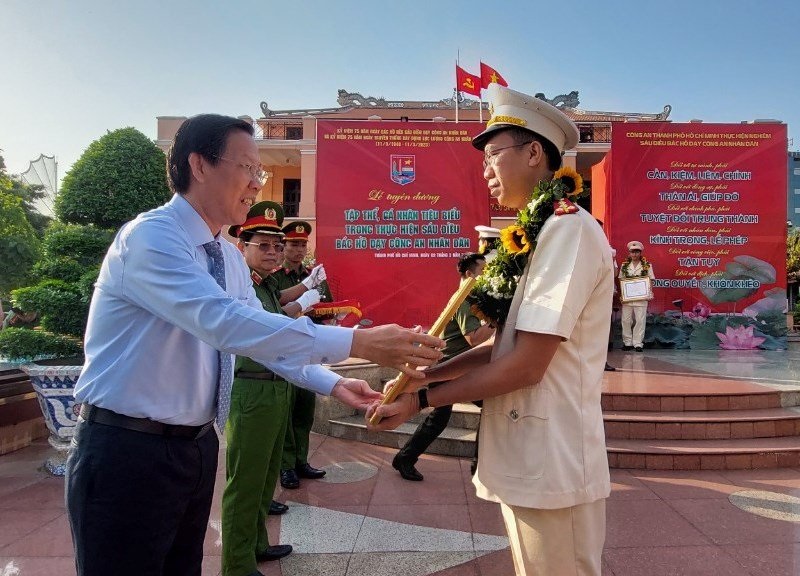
<point>54,387</point>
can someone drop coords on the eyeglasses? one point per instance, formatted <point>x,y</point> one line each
<point>266,246</point>
<point>257,173</point>
<point>488,157</point>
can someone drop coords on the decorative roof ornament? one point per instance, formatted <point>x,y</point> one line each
<point>562,100</point>
<point>568,103</point>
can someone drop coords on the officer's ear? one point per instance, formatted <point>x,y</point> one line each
<point>537,155</point>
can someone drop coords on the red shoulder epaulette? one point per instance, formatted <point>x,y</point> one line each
<point>256,278</point>
<point>275,269</point>
<point>564,206</point>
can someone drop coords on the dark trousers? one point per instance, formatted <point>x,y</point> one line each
<point>138,504</point>
<point>426,433</point>
<point>301,420</point>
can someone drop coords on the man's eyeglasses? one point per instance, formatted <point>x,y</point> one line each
<point>266,246</point>
<point>488,157</point>
<point>257,173</point>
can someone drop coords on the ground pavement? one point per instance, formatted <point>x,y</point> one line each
<point>363,519</point>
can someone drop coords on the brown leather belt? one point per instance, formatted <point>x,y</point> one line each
<point>92,413</point>
<point>267,375</point>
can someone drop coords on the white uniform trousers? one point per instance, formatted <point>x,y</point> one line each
<point>633,333</point>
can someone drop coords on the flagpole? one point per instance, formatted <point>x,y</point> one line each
<point>456,92</point>
<point>480,107</point>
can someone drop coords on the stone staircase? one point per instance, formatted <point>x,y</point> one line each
<point>702,429</point>
<point>652,421</point>
<point>458,439</point>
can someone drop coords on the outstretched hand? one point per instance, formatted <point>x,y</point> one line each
<point>394,413</point>
<point>355,393</point>
<point>397,347</point>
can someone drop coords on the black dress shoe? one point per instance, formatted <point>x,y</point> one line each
<point>308,471</point>
<point>289,479</point>
<point>609,368</point>
<point>638,349</point>
<point>626,347</point>
<point>274,553</point>
<point>406,469</point>
<point>276,508</point>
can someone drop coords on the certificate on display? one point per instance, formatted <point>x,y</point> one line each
<point>634,289</point>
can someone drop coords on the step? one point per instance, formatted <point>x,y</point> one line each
<point>661,402</point>
<point>453,441</point>
<point>465,415</point>
<point>710,425</point>
<point>743,454</point>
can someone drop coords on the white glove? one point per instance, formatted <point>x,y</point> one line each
<point>308,299</point>
<point>315,277</point>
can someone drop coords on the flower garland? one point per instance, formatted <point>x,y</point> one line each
<point>494,289</point>
<point>645,268</point>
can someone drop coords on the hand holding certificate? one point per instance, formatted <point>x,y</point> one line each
<point>635,289</point>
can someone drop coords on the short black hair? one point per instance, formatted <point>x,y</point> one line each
<point>204,134</point>
<point>247,235</point>
<point>468,262</point>
<point>521,135</point>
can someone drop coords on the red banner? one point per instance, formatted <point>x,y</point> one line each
<point>397,204</point>
<point>708,201</point>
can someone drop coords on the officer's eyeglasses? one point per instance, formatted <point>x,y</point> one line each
<point>257,173</point>
<point>266,246</point>
<point>488,157</point>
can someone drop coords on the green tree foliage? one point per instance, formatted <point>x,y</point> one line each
<point>793,253</point>
<point>19,244</point>
<point>86,245</point>
<point>26,344</point>
<point>28,195</point>
<point>117,177</point>
<point>59,304</point>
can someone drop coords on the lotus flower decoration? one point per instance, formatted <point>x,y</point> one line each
<point>700,312</point>
<point>739,338</point>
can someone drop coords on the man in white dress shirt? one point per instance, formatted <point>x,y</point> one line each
<point>173,302</point>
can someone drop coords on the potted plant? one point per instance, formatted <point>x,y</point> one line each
<point>118,176</point>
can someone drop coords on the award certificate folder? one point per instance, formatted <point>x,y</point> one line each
<point>635,289</point>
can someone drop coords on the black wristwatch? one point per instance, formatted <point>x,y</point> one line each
<point>422,394</point>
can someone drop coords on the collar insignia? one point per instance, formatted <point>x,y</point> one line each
<point>564,206</point>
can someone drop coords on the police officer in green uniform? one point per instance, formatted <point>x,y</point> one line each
<point>301,414</point>
<point>260,402</point>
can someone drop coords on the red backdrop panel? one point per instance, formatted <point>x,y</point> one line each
<point>397,204</point>
<point>708,201</point>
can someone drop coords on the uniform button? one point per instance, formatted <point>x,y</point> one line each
<point>514,415</point>
<point>281,358</point>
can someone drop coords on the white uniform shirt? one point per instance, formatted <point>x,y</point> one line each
<point>543,446</point>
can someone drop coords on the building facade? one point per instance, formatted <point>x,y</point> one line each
<point>288,145</point>
<point>793,195</point>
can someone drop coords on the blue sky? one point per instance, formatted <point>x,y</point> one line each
<point>72,70</point>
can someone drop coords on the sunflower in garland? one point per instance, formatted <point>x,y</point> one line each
<point>571,179</point>
<point>514,239</point>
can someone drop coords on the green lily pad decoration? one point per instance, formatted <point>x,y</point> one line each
<point>720,295</point>
<point>752,267</point>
